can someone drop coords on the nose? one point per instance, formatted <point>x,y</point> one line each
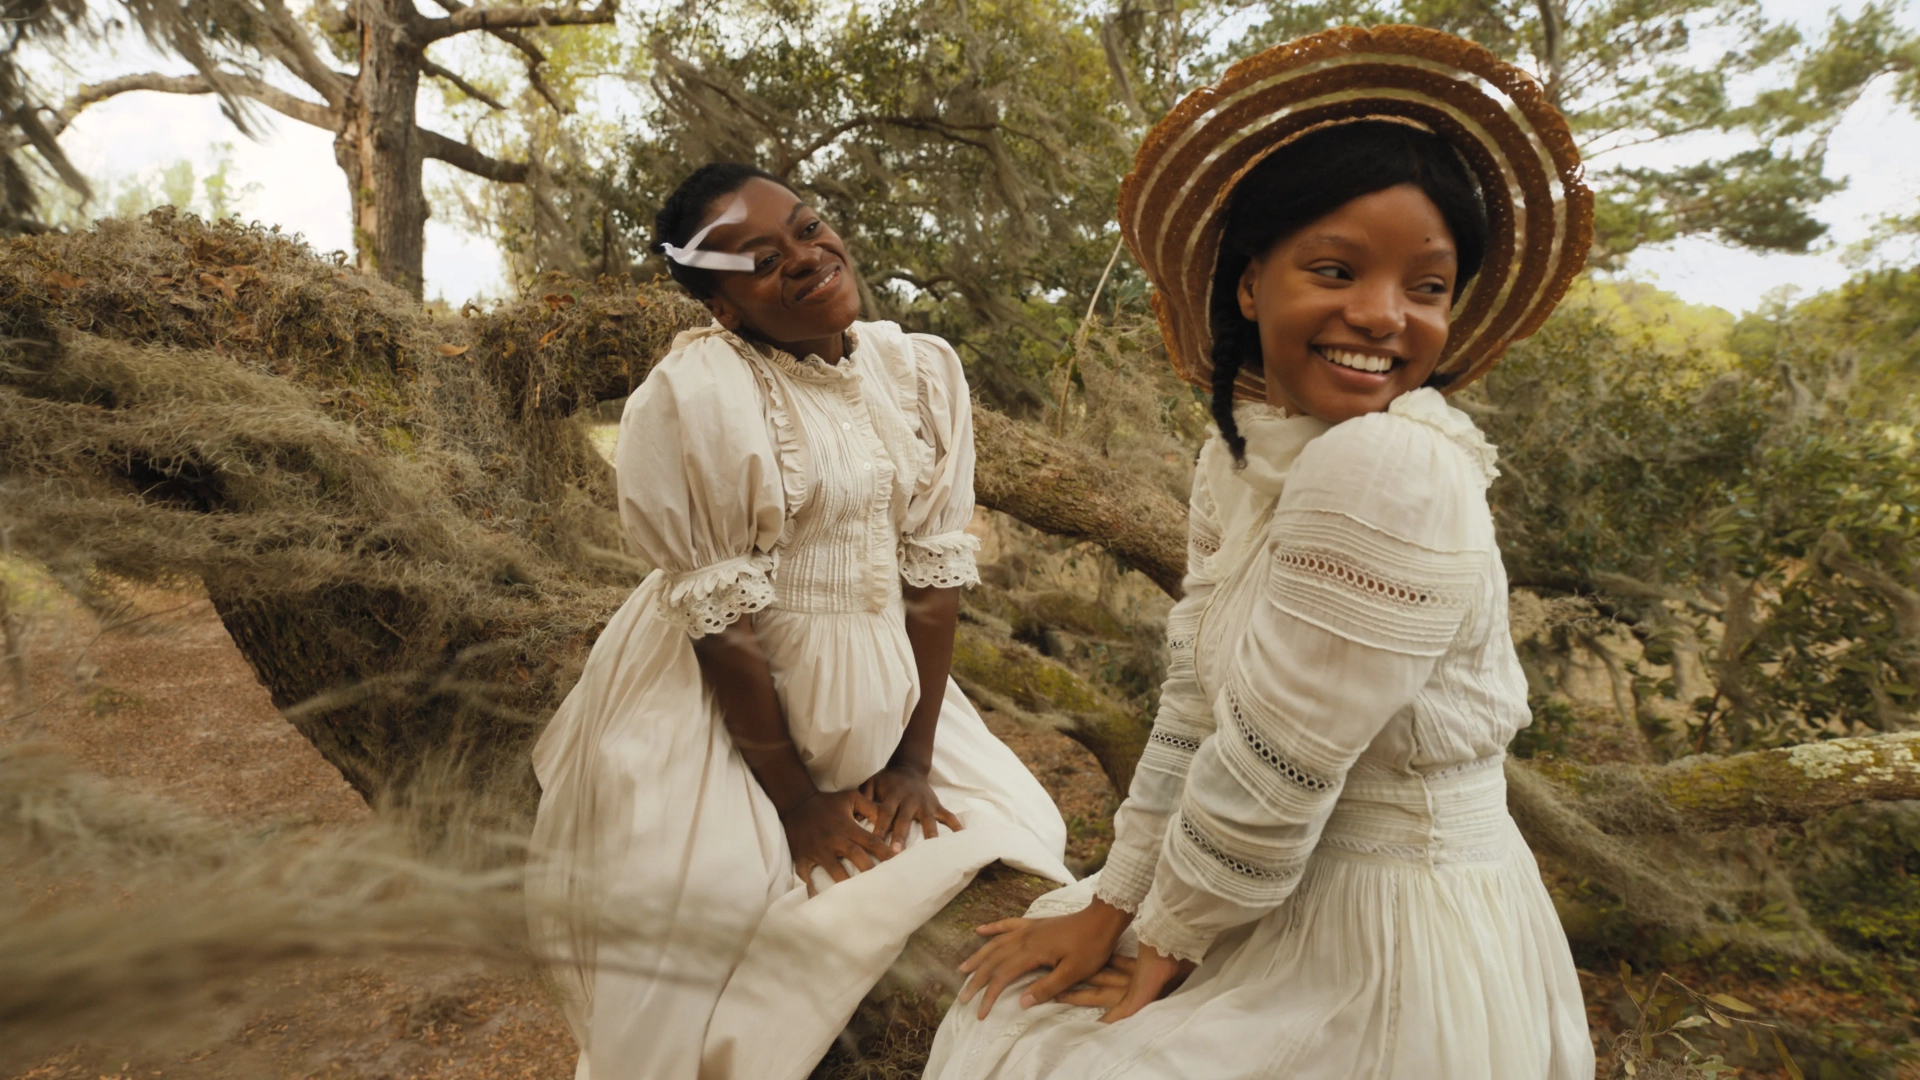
<point>804,259</point>
<point>1377,309</point>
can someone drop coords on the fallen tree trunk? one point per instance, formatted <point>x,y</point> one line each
<point>1069,492</point>
<point>1762,787</point>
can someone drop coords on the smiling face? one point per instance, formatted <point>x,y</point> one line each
<point>800,295</point>
<point>1353,308</point>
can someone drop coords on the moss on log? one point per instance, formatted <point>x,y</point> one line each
<point>1070,492</point>
<point>1003,672</point>
<point>1762,787</point>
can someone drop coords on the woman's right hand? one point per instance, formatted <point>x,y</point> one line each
<point>1075,946</point>
<point>824,828</point>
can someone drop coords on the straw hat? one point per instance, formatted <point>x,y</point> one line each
<point>1540,215</point>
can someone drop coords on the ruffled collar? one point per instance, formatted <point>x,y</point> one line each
<point>1430,407</point>
<point>1274,441</point>
<point>811,369</point>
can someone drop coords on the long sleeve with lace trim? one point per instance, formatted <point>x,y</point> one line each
<point>1183,722</point>
<point>1372,565</point>
<point>700,484</point>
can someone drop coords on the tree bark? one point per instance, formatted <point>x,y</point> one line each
<point>1066,491</point>
<point>377,150</point>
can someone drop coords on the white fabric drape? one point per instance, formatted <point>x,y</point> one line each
<point>1320,813</point>
<point>798,494</point>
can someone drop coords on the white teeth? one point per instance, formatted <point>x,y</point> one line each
<point>1358,361</point>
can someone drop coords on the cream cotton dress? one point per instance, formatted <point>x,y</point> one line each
<point>1320,812</point>
<point>799,494</point>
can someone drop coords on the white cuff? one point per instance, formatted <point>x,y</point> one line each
<point>710,599</point>
<point>939,562</point>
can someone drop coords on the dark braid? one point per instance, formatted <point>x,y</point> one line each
<point>1235,338</point>
<point>1305,181</point>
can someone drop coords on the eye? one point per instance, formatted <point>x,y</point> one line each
<point>1332,272</point>
<point>766,260</point>
<point>810,228</point>
<point>1433,288</point>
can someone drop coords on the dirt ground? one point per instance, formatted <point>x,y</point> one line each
<point>164,701</point>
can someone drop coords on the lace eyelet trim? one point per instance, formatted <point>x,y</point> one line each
<point>1328,565</point>
<point>1238,866</point>
<point>940,562</point>
<point>1298,776</point>
<point>713,606</point>
<point>1177,742</point>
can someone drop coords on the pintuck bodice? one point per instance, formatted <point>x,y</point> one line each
<point>756,479</point>
<point>839,552</point>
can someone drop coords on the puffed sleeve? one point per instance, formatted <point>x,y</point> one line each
<point>1373,567</point>
<point>935,549</point>
<point>1183,722</point>
<point>700,486</point>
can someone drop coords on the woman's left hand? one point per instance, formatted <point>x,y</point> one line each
<point>1155,975</point>
<point>904,797</point>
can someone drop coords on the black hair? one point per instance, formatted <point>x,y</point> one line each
<point>1308,179</point>
<point>687,209</point>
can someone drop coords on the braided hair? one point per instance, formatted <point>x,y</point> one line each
<point>1305,181</point>
<point>689,207</point>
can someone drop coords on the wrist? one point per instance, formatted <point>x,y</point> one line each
<point>1107,917</point>
<point>794,803</point>
<point>911,763</point>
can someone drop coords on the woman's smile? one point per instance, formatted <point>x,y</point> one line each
<point>1360,360</point>
<point>821,284</point>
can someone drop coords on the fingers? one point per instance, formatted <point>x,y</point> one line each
<point>1143,990</point>
<point>947,818</point>
<point>864,807</point>
<point>858,856</point>
<point>1003,974</point>
<point>979,967</point>
<point>999,927</point>
<point>1064,976</point>
<point>903,822</point>
<point>872,844</point>
<point>1095,997</point>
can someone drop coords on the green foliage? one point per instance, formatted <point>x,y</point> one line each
<point>1858,871</point>
<point>1750,514</point>
<point>970,154</point>
<point>1553,722</point>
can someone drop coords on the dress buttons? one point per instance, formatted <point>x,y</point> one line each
<point>867,465</point>
<point>844,426</point>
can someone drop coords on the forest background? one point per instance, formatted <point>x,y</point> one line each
<point>398,513</point>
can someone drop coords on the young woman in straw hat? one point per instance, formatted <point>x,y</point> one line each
<point>765,780</point>
<point>1315,865</point>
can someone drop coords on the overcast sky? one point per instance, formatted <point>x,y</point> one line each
<point>297,186</point>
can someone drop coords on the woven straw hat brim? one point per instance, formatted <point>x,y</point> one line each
<point>1173,205</point>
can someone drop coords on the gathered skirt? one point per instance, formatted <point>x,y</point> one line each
<point>1391,960</point>
<point>661,889</point>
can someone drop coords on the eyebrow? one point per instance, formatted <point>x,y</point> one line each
<point>1343,243</point>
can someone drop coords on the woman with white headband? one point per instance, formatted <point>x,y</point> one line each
<point>765,779</point>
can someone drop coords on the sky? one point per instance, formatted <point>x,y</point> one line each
<point>291,180</point>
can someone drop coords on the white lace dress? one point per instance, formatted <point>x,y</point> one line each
<point>799,494</point>
<point>1321,812</point>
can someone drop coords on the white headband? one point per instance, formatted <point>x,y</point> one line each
<point>691,255</point>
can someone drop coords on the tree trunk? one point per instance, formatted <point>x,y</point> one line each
<point>377,150</point>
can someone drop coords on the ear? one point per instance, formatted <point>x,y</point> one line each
<point>724,312</point>
<point>1249,284</point>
